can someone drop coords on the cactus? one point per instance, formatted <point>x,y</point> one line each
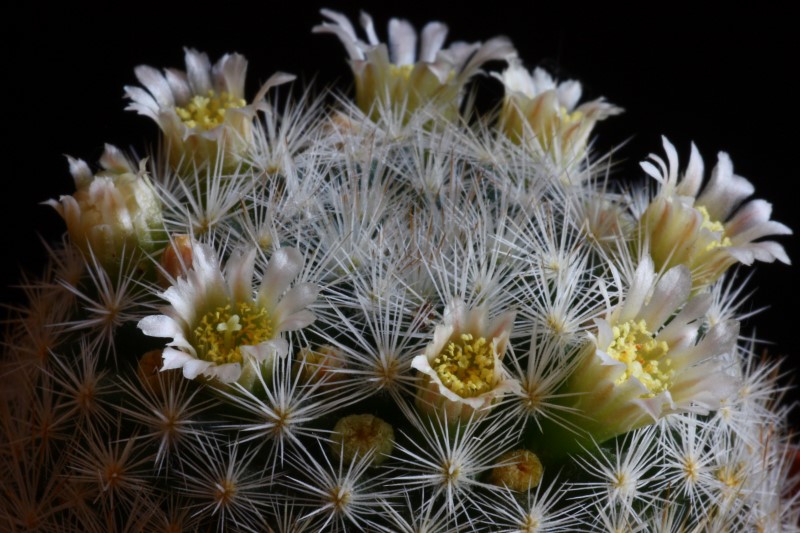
<point>397,313</point>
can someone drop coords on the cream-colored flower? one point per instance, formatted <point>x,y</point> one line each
<point>397,79</point>
<point>462,373</point>
<point>647,359</point>
<point>112,211</point>
<point>707,231</point>
<point>538,111</point>
<point>202,112</point>
<point>219,328</point>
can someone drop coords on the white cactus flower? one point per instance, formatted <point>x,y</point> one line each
<point>219,328</point>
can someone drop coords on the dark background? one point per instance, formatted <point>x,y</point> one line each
<point>715,75</point>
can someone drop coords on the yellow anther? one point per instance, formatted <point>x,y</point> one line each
<point>643,355</point>
<point>208,112</point>
<point>716,227</point>
<point>466,366</point>
<point>569,118</point>
<point>222,331</point>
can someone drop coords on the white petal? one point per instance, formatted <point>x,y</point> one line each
<point>239,275</point>
<point>296,321</point>
<point>693,177</point>
<point>569,94</point>
<point>198,71</point>
<point>341,21</point>
<point>433,36</point>
<point>156,83</point>
<point>719,340</point>
<point>671,291</point>
<point>497,48</point>
<point>402,42</point>
<point>299,297</point>
<point>640,288</point>
<point>194,367</point>
<point>279,78</point>
<point>230,73</point>
<point>160,326</point>
<point>227,373</point>
<point>284,265</point>
<point>179,85</point>
<point>369,28</point>
<point>175,358</point>
<point>143,102</point>
<point>680,331</point>
<point>724,190</point>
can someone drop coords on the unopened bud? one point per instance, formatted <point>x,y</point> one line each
<point>149,371</point>
<point>176,259</point>
<point>519,470</point>
<point>113,212</point>
<point>320,364</point>
<point>360,435</point>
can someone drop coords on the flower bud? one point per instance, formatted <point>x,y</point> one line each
<point>320,364</point>
<point>519,470</point>
<point>359,435</point>
<point>148,370</point>
<point>176,259</point>
<point>113,212</point>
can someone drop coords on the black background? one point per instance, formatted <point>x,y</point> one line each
<point>717,75</point>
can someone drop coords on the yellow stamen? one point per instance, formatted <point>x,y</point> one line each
<point>208,112</point>
<point>635,346</point>
<point>568,118</point>
<point>716,227</point>
<point>223,331</point>
<point>466,366</point>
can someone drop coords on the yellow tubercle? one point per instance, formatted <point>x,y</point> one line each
<point>643,355</point>
<point>207,112</point>
<point>224,330</point>
<point>466,366</point>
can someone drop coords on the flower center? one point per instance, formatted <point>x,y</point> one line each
<point>635,346</point>
<point>208,112</point>
<point>466,366</point>
<point>714,226</point>
<point>223,331</point>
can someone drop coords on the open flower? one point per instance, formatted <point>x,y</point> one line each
<point>395,77</point>
<point>707,231</point>
<point>219,328</point>
<point>202,112</point>
<point>114,210</point>
<point>462,370</point>
<point>546,114</point>
<point>645,361</point>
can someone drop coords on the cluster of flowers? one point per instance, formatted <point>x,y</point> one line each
<point>392,315</point>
